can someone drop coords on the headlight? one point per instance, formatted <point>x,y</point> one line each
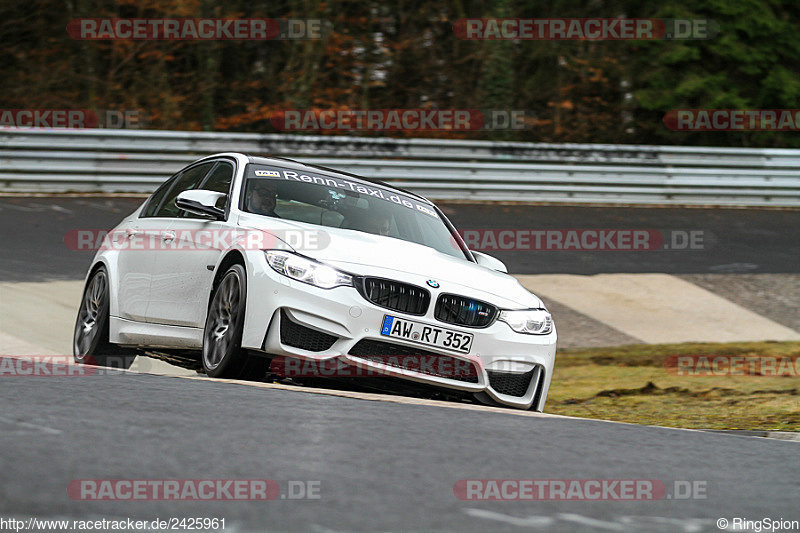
<point>307,270</point>
<point>530,321</point>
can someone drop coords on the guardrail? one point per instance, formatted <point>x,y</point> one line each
<point>137,160</point>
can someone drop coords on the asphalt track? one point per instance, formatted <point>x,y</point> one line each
<point>734,240</point>
<point>381,465</point>
<point>384,463</point>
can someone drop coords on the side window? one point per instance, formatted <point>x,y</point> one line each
<point>156,197</point>
<point>219,180</point>
<point>186,181</point>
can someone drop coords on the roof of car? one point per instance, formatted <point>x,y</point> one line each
<point>297,165</point>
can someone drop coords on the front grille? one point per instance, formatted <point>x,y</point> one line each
<point>416,360</point>
<point>395,295</point>
<point>464,311</point>
<point>511,383</point>
<point>299,336</point>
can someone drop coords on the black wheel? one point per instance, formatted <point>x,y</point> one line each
<point>90,344</point>
<point>223,356</point>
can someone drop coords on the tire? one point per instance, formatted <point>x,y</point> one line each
<point>223,356</point>
<point>90,344</point>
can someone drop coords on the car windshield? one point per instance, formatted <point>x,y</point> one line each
<point>333,200</point>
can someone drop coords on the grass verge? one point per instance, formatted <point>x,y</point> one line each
<point>647,384</point>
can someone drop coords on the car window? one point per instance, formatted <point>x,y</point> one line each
<point>288,205</point>
<point>157,196</point>
<point>333,200</point>
<point>219,180</point>
<point>188,180</point>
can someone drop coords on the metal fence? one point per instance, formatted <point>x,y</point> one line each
<point>136,161</point>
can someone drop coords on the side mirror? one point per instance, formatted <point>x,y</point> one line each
<point>201,202</point>
<point>490,262</point>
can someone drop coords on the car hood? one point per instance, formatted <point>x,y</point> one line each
<point>366,254</point>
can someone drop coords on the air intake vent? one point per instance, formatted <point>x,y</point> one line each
<point>464,311</point>
<point>511,383</point>
<point>395,295</point>
<point>416,360</point>
<point>299,336</point>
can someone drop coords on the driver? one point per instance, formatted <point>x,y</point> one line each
<point>381,224</point>
<point>261,197</point>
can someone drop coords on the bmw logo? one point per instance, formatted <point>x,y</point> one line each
<point>433,283</point>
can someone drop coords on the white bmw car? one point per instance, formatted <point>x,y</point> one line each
<point>251,260</point>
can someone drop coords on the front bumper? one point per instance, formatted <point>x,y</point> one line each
<point>498,354</point>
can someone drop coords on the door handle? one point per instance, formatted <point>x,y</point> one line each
<point>132,233</point>
<point>167,236</point>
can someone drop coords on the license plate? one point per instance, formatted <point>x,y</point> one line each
<point>418,332</point>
